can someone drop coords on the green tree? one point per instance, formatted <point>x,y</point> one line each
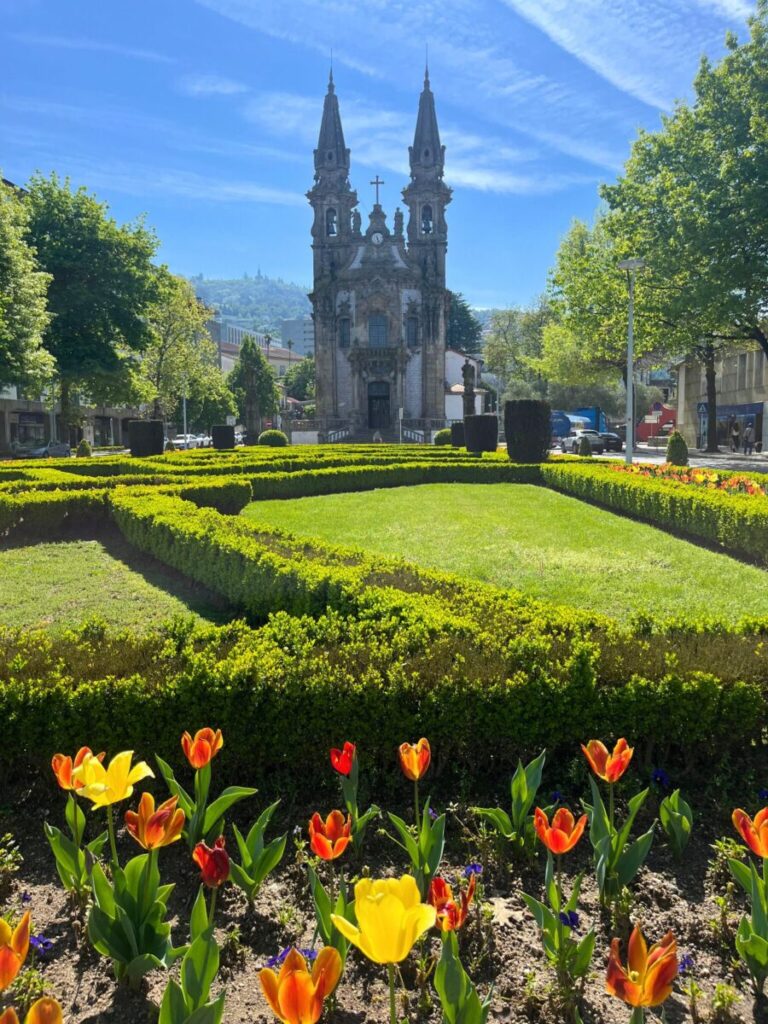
<point>299,380</point>
<point>514,340</point>
<point>102,283</point>
<point>23,288</point>
<point>464,331</point>
<point>693,203</point>
<point>209,401</point>
<point>180,353</point>
<point>252,382</point>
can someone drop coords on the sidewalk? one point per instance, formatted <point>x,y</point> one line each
<point>757,463</point>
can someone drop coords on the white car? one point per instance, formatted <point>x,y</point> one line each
<point>204,441</point>
<point>184,441</point>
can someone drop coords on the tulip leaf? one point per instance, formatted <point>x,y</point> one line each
<point>75,818</point>
<point>742,874</point>
<point>185,800</point>
<point>141,965</point>
<point>211,1013</point>
<point>173,1008</point>
<point>216,811</point>
<point>198,921</point>
<point>498,818</point>
<point>255,840</point>
<point>198,969</point>
<point>102,891</point>
<point>632,859</point>
<point>583,956</point>
<point>409,843</point>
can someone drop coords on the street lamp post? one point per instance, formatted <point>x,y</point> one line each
<point>184,411</point>
<point>631,266</point>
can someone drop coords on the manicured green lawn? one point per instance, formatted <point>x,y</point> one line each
<point>61,584</point>
<point>534,540</point>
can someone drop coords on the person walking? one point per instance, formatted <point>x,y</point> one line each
<point>735,431</point>
<point>749,438</point>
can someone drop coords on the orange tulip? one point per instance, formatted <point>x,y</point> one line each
<point>329,838</point>
<point>650,973</point>
<point>415,758</point>
<point>201,750</point>
<point>295,995</point>
<point>450,915</point>
<point>44,1011</point>
<point>155,828</point>
<point>14,946</point>
<point>754,833</point>
<point>563,834</point>
<point>63,765</point>
<point>213,862</point>
<point>609,767</point>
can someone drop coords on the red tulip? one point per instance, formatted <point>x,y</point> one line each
<point>450,915</point>
<point>415,758</point>
<point>201,750</point>
<point>342,760</point>
<point>563,834</point>
<point>330,838</point>
<point>155,828</point>
<point>608,767</point>
<point>213,862</point>
<point>754,833</point>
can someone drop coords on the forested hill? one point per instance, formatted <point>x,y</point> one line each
<point>262,302</point>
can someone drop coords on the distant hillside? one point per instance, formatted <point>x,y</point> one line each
<point>258,302</point>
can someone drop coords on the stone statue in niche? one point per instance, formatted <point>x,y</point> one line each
<point>399,222</point>
<point>356,222</point>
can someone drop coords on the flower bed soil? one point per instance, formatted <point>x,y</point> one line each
<point>499,942</point>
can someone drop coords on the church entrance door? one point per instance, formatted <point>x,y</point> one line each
<point>379,417</point>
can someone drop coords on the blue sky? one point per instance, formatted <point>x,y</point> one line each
<point>203,114</point>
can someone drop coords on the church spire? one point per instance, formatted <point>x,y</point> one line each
<point>331,153</point>
<point>427,155</point>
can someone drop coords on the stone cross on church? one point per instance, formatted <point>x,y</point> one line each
<point>379,300</point>
<point>377,183</point>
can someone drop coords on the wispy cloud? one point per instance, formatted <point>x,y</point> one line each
<point>646,48</point>
<point>95,45</point>
<point>209,85</point>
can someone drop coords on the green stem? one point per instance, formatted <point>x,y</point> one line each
<point>212,905</point>
<point>558,886</point>
<point>416,802</point>
<point>332,883</point>
<point>638,1016</point>
<point>112,842</point>
<point>392,1008</point>
<point>610,806</point>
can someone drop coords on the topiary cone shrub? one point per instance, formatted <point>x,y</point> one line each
<point>457,434</point>
<point>481,432</point>
<point>273,438</point>
<point>223,437</point>
<point>585,448</point>
<point>84,450</point>
<point>527,425</point>
<point>443,437</point>
<point>677,449</point>
<point>146,437</point>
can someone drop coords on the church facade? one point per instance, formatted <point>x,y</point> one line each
<point>380,305</point>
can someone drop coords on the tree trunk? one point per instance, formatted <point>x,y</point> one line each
<point>65,403</point>
<point>157,412</point>
<point>709,371</point>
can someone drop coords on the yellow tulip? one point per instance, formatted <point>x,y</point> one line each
<point>44,1011</point>
<point>390,918</point>
<point>14,946</point>
<point>105,786</point>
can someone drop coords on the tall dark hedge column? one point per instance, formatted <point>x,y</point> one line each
<point>527,427</point>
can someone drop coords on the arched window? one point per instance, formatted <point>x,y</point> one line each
<point>412,331</point>
<point>330,222</point>
<point>426,219</point>
<point>377,331</point>
<point>344,331</point>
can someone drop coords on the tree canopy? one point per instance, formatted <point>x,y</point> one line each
<point>464,331</point>
<point>23,299</point>
<point>299,379</point>
<point>102,284</point>
<point>252,382</point>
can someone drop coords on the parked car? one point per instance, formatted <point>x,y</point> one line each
<point>186,441</point>
<point>204,440</point>
<point>51,450</point>
<point>613,443</point>
<point>571,442</point>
